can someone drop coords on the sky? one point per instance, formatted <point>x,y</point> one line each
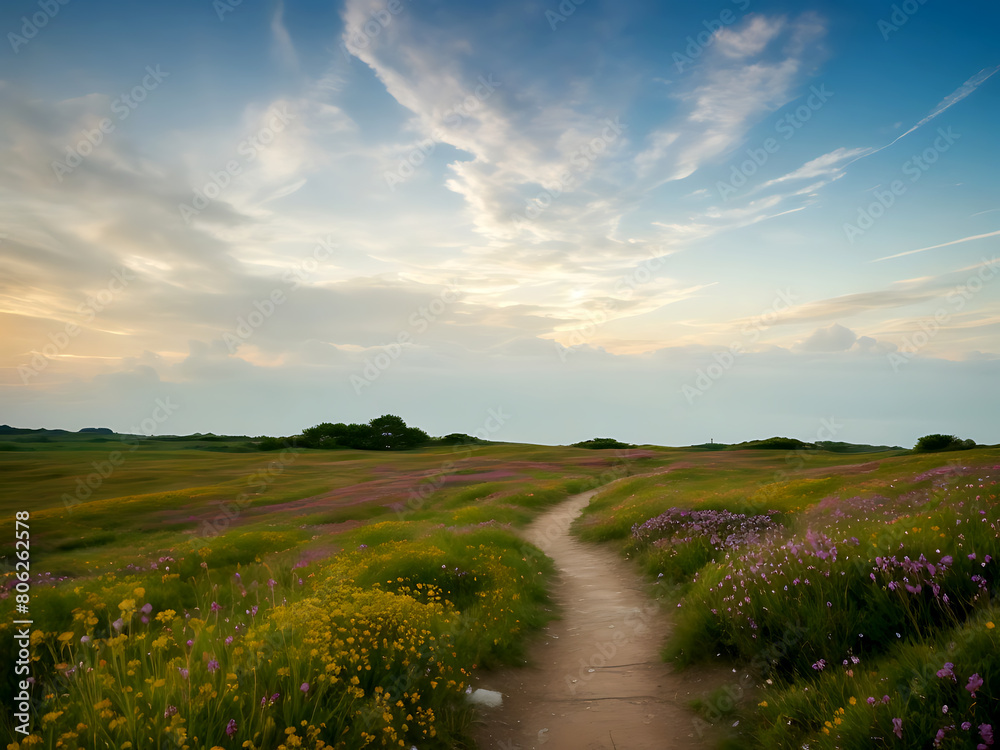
<point>532,221</point>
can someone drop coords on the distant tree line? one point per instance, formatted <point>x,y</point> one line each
<point>385,433</point>
<point>602,444</point>
<point>937,442</point>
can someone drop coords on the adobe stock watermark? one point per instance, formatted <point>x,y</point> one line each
<point>419,495</point>
<point>122,106</point>
<point>263,309</point>
<point>797,458</point>
<point>59,341</point>
<point>562,12</point>
<point>729,696</point>
<point>624,288</point>
<point>581,158</point>
<point>957,299</point>
<point>249,148</point>
<point>453,117</point>
<point>230,511</point>
<point>786,126</point>
<point>696,45</point>
<point>31,25</point>
<point>360,37</point>
<point>222,7</point>
<point>901,13</point>
<point>725,360</point>
<point>87,485</point>
<point>419,321</point>
<point>636,623</point>
<point>915,167</point>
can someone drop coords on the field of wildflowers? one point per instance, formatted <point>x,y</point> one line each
<point>351,618</point>
<point>370,648</point>
<point>862,601</point>
<point>349,603</point>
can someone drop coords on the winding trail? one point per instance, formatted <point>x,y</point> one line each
<point>594,679</point>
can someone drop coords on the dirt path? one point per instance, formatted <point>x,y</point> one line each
<point>594,678</point>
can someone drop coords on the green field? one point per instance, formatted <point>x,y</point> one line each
<point>859,592</point>
<point>201,593</point>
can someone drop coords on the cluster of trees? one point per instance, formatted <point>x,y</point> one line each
<point>385,433</point>
<point>602,443</point>
<point>774,444</point>
<point>937,442</point>
<point>391,433</point>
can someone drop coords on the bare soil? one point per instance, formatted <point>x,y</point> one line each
<point>594,679</point>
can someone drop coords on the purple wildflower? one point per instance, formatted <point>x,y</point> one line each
<point>897,727</point>
<point>947,672</point>
<point>231,727</point>
<point>975,682</point>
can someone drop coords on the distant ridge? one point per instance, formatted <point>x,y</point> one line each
<point>791,444</point>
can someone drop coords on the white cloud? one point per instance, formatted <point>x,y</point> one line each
<point>828,165</point>
<point>282,40</point>
<point>749,39</point>
<point>735,86</point>
<point>833,338</point>
<point>943,244</point>
<point>966,89</point>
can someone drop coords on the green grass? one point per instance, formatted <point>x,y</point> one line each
<point>817,609</point>
<point>354,543</point>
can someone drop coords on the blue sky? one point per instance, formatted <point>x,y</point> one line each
<point>726,220</point>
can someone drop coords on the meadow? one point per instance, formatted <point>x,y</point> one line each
<point>860,596</point>
<point>207,595</point>
<point>199,597</point>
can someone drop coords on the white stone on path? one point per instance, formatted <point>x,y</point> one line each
<point>487,698</point>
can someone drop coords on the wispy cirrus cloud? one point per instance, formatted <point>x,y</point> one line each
<point>753,68</point>
<point>829,166</point>
<point>739,43</point>
<point>284,48</point>
<point>966,89</point>
<point>943,244</point>
<point>557,277</point>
